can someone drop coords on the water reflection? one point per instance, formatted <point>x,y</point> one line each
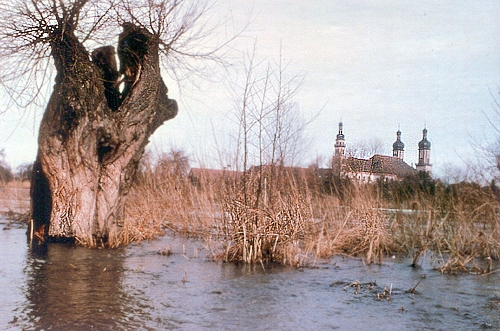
<point>72,288</point>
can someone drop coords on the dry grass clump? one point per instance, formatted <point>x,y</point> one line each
<point>266,222</point>
<point>264,234</point>
<point>372,233</point>
<point>371,226</point>
<point>460,227</point>
<point>162,198</point>
<point>471,231</point>
<point>360,228</point>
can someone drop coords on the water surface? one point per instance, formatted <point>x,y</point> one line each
<point>137,288</point>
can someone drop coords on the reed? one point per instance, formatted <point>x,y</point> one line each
<point>276,214</point>
<point>459,226</point>
<point>288,215</point>
<point>471,233</point>
<point>265,218</point>
<point>164,198</point>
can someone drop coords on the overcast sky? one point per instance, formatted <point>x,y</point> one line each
<point>378,65</point>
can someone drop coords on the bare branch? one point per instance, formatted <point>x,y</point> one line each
<point>184,28</point>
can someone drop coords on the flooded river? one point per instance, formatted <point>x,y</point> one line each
<point>141,287</point>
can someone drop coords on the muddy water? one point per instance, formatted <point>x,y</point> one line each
<point>136,288</point>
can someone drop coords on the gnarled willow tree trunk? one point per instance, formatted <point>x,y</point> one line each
<point>89,143</point>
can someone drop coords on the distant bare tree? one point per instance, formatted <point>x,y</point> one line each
<point>24,171</point>
<point>270,125</point>
<point>174,163</point>
<point>366,149</point>
<point>5,170</point>
<point>488,154</point>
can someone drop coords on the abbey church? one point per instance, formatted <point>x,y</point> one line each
<point>380,166</point>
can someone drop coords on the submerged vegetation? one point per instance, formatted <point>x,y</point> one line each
<point>294,216</point>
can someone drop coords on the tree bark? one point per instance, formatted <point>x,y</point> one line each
<point>89,146</point>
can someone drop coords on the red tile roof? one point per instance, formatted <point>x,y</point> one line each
<point>379,165</point>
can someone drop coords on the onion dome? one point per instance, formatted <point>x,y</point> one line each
<point>424,143</point>
<point>398,144</point>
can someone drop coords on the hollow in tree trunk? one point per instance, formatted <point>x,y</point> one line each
<point>92,136</point>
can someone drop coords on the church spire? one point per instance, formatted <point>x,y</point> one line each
<point>424,154</point>
<point>340,141</point>
<point>398,148</point>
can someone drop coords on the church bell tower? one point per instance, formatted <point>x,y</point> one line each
<point>340,142</point>
<point>424,154</point>
<point>398,148</point>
